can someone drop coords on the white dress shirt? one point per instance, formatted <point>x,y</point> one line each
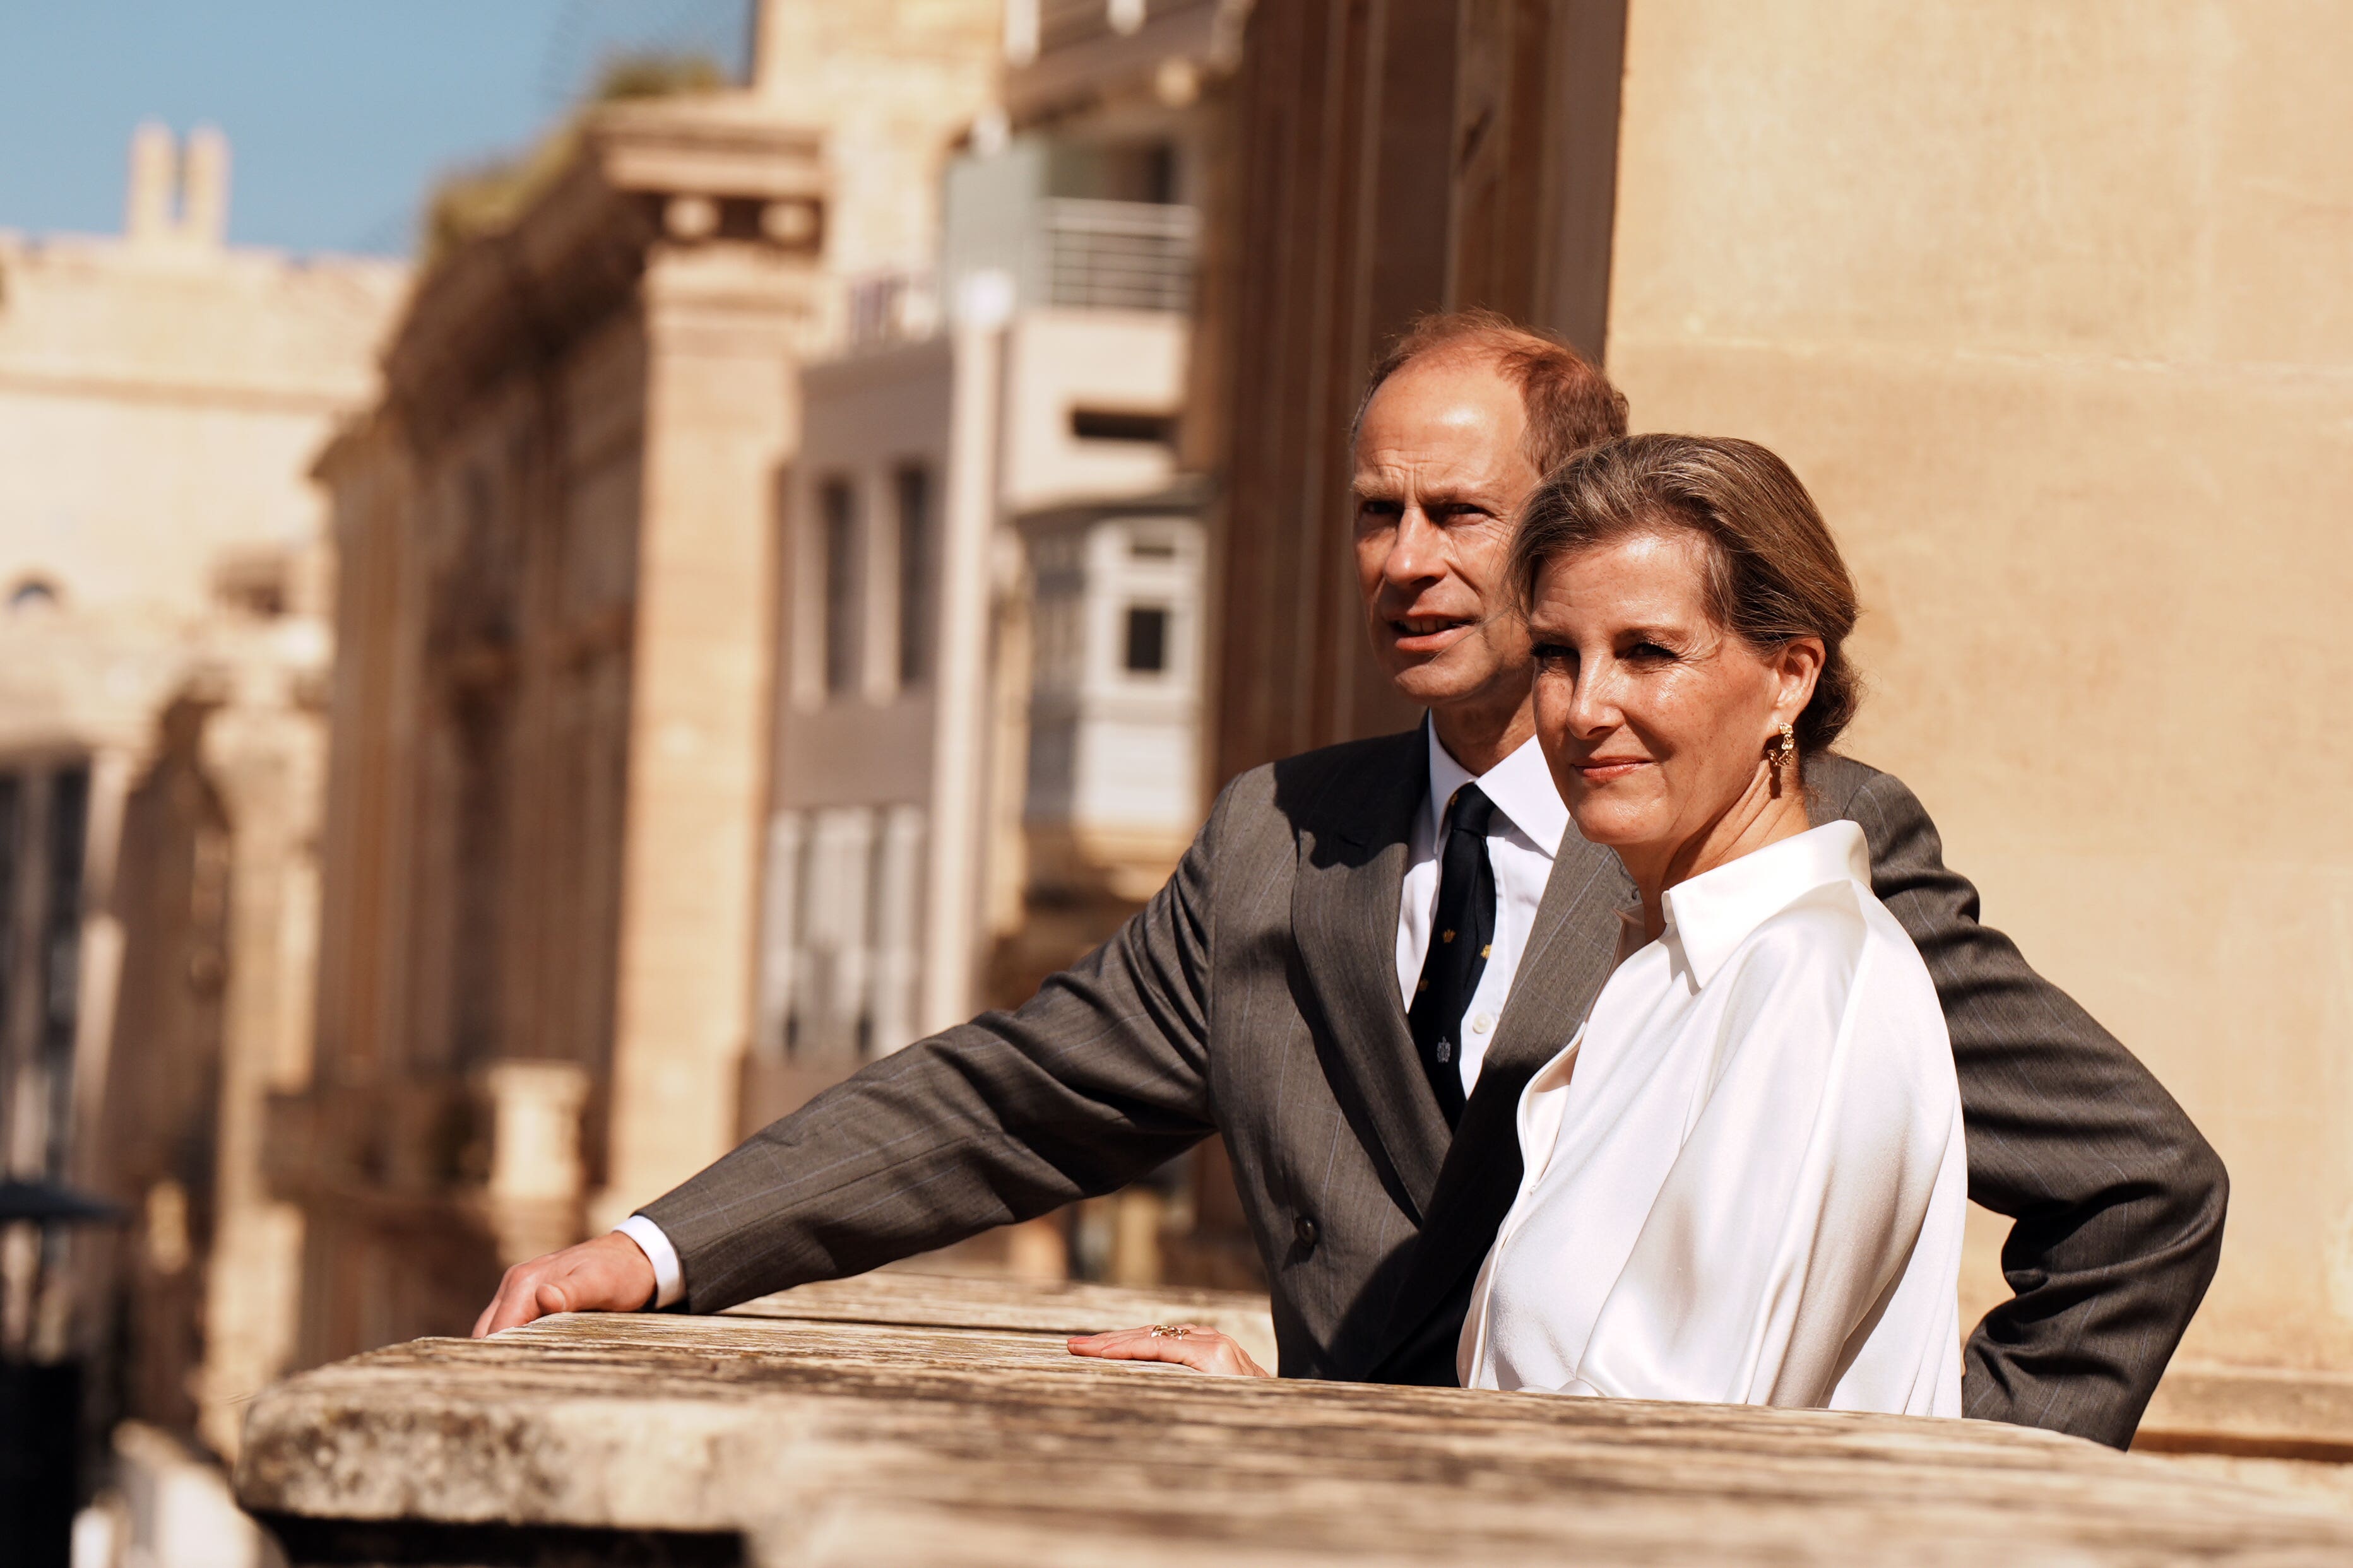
<point>1745,1176</point>
<point>670,1279</point>
<point>1523,840</point>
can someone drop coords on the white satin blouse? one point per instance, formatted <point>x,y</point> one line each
<point>1745,1178</point>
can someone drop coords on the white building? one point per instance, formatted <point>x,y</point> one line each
<point>1113,791</point>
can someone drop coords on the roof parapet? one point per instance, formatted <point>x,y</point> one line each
<point>175,200</point>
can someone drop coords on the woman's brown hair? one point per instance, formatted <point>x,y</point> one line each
<point>1774,572</point>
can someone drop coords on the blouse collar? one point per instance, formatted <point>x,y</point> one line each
<point>1710,915</point>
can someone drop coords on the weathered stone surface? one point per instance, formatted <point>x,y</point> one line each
<point>955,1301</point>
<point>903,1438</point>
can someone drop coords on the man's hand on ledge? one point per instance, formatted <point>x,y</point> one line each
<point>604,1274</point>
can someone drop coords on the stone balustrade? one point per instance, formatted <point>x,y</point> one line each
<point>903,1418</point>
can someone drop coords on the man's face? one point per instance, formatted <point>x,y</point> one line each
<point>1439,476</point>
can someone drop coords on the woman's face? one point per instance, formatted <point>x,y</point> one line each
<point>1654,720</point>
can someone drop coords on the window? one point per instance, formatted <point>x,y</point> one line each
<point>1114,171</point>
<point>838,512</point>
<point>477,807</point>
<point>60,974</point>
<point>1147,639</point>
<point>915,558</point>
<point>12,812</point>
<point>1122,424</point>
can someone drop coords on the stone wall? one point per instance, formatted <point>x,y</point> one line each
<point>160,398</point>
<point>2048,308</point>
<point>1387,159</point>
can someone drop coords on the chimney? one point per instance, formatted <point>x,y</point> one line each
<point>203,198</point>
<point>775,38</point>
<point>154,171</point>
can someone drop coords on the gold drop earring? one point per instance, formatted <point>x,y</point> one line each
<point>1784,750</point>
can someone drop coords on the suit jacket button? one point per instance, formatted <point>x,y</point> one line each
<point>1305,1231</point>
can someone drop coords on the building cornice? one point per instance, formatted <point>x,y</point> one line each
<point>686,174</point>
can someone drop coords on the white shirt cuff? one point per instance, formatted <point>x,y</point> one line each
<point>669,1281</point>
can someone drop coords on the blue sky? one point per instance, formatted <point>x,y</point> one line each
<point>339,112</point>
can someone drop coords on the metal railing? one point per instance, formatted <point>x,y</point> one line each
<point>1119,256</point>
<point>1087,254</point>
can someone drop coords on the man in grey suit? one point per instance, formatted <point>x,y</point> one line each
<point>1298,986</point>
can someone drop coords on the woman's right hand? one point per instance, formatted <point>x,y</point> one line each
<point>1203,1350</point>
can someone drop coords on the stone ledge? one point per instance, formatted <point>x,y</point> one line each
<point>908,1299</point>
<point>841,1439</point>
<point>2204,1408</point>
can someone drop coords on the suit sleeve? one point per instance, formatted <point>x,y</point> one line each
<point>1098,1079</point>
<point>2117,1200</point>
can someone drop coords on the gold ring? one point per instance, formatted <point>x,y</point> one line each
<point>1168,1331</point>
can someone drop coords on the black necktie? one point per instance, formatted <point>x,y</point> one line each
<point>1461,934</point>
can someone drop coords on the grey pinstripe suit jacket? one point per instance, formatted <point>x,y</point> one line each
<point>1256,996</point>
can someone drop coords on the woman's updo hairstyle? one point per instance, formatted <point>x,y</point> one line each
<point>1774,572</point>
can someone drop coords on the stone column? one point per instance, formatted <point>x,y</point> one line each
<point>203,199</point>
<point>535,1180</point>
<point>959,754</point>
<point>154,174</point>
<point>721,324</point>
<point>111,771</point>
<point>265,754</point>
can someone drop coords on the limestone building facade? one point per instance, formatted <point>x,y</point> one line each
<point>163,664</point>
<point>550,764</point>
<point>542,768</point>
<point>2046,308</point>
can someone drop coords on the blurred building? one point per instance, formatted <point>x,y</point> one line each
<point>163,651</point>
<point>550,762</point>
<point>2048,310</point>
<point>985,750</point>
<point>913,773</point>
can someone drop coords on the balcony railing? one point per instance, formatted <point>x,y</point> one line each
<point>1080,253</point>
<point>1118,256</point>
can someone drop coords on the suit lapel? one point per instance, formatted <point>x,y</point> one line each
<point>1344,918</point>
<point>1571,951</point>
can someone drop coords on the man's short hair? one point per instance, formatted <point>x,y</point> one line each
<point>1569,403</point>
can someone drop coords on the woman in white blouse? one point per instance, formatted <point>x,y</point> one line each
<point>1745,1178</point>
